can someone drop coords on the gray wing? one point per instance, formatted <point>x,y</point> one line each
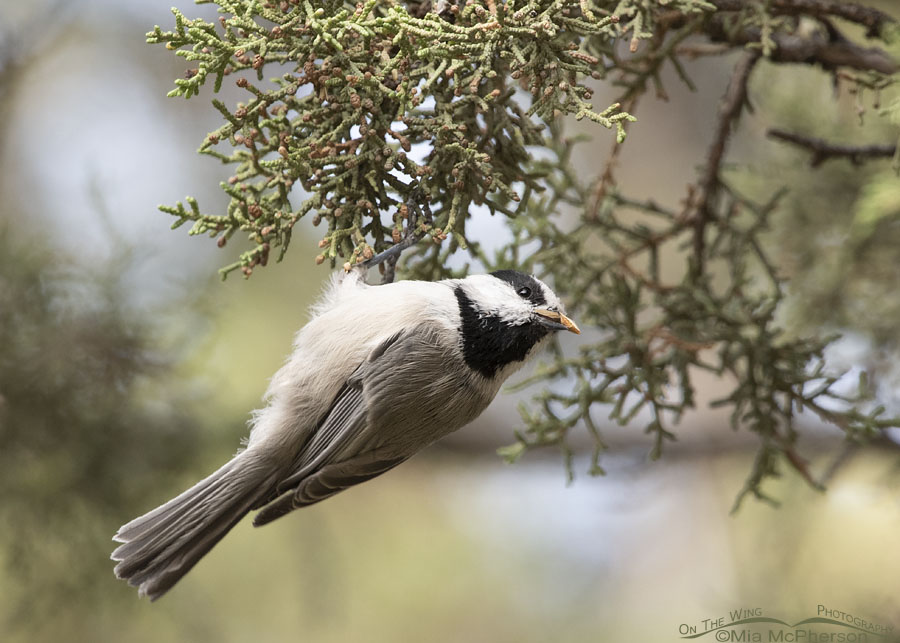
<point>386,412</point>
<point>336,457</point>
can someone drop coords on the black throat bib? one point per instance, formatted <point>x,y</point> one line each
<point>488,342</point>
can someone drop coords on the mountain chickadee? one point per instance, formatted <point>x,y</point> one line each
<point>377,374</point>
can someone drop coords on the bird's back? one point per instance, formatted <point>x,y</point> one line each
<point>323,360</point>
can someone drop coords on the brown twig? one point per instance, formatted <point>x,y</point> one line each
<point>801,466</point>
<point>414,233</point>
<point>822,150</point>
<point>647,282</point>
<point>668,339</point>
<point>729,109</point>
<point>849,450</point>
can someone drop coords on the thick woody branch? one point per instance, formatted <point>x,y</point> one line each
<point>826,47</point>
<point>822,150</point>
<point>873,19</point>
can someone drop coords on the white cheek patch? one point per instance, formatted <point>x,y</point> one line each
<point>514,315</point>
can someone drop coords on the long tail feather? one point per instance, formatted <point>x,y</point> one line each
<point>164,544</point>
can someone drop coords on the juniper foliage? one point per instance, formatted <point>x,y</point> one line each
<point>480,90</point>
<point>359,86</point>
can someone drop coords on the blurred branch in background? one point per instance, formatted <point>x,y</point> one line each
<point>90,414</point>
<point>92,406</point>
<point>20,44</point>
<point>822,150</point>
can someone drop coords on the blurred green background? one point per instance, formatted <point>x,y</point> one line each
<point>127,372</point>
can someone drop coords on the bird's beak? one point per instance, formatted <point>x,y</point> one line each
<point>557,320</point>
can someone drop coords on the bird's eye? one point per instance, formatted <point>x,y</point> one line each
<point>524,292</point>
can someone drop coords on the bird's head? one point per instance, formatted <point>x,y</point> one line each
<point>504,317</point>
